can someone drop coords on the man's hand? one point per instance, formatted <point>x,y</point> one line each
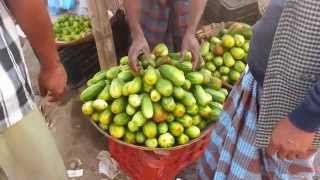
<point>52,81</point>
<point>290,142</point>
<point>190,43</point>
<point>138,46</point>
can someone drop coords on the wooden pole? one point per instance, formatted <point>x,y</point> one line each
<point>102,33</point>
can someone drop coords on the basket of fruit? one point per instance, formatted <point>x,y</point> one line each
<point>168,108</point>
<point>224,47</point>
<point>72,30</point>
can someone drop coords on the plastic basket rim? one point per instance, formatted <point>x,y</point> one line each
<point>207,130</point>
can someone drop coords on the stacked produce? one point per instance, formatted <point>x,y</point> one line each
<point>225,55</point>
<point>168,104</point>
<point>70,28</point>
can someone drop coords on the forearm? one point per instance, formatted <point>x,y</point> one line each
<point>196,10</point>
<point>34,20</point>
<point>133,8</point>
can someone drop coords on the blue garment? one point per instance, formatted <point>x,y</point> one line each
<point>306,115</point>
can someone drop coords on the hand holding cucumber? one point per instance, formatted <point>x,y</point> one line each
<point>138,46</point>
<point>190,43</point>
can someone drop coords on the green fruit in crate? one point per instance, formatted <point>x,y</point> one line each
<point>116,131</point>
<point>195,77</point>
<point>201,95</point>
<point>95,117</point>
<point>246,47</point>
<point>208,57</point>
<point>224,91</point>
<point>203,124</point>
<point>193,110</point>
<point>175,56</point>
<point>104,127</point>
<point>124,60</point>
<point>105,117</point>
<point>234,75</point>
<point>150,130</point>
<point>218,61</point>
<point>182,139</point>
<point>237,53</point>
<point>92,91</point>
<point>178,92</point>
<point>186,85</point>
<point>113,72</point>
<point>216,105</point>
<point>138,119</point>
<point>121,119</point>
<point>125,89</point>
<point>224,70</point>
<point>99,104</point>
<point>196,120</point>
<point>218,50</point>
<point>170,118</point>
<point>204,48</point>
<point>215,83</point>
<point>186,121</point>
<point>155,95</point>
<point>215,40</point>
<point>160,115</point>
<point>104,94</point>
<point>215,113</point>
<point>185,66</point>
<point>124,68</point>
<point>225,78</point>
<point>134,100</point>
<point>246,31</point>
<point>168,104</point>
<point>87,108</point>
<point>239,40</point>
<point>193,132</point>
<point>206,75</point>
<point>146,107</point>
<point>187,56</point>
<point>166,140</point>
<point>132,127</point>
<point>164,87</point>
<point>163,128</point>
<point>135,85</point>
<point>217,96</point>
<point>205,111</point>
<point>99,76</point>
<point>150,76</point>
<point>116,88</point>
<point>129,137</point>
<point>227,41</point>
<point>210,66</point>
<point>125,75</point>
<point>239,66</point>
<point>176,128</point>
<point>245,58</point>
<point>151,143</point>
<point>146,88</point>
<point>140,137</point>
<point>173,74</point>
<point>118,105</point>
<point>130,110</point>
<point>161,50</point>
<point>216,74</point>
<point>189,99</point>
<point>179,110</point>
<point>228,60</point>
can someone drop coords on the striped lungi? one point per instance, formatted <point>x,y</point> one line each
<point>231,153</point>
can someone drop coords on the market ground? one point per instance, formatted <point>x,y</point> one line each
<point>78,141</point>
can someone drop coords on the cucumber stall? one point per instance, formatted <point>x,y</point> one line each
<point>167,104</point>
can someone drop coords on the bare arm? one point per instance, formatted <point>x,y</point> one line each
<point>196,10</point>
<point>133,8</point>
<point>34,20</point>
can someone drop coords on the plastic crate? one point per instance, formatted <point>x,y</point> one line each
<point>80,62</point>
<point>232,10</point>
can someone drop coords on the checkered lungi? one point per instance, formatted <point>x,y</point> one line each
<point>231,153</point>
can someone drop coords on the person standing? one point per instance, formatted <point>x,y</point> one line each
<point>173,22</point>
<point>270,125</point>
<point>27,149</point>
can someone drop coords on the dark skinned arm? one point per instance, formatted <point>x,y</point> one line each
<point>33,18</point>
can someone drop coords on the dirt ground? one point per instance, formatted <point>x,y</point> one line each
<point>78,141</point>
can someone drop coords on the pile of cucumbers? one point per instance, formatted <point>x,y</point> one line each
<point>69,28</point>
<point>225,55</point>
<point>167,105</point>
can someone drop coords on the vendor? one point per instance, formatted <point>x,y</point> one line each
<point>173,22</point>
<point>267,129</point>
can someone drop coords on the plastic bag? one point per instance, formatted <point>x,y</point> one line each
<point>68,4</point>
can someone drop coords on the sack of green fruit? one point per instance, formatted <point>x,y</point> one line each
<point>225,51</point>
<point>167,105</point>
